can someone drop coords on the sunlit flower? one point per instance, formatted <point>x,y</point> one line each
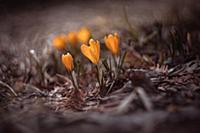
<point>92,52</point>
<point>112,43</point>
<point>59,42</point>
<point>67,60</point>
<point>72,38</point>
<point>84,35</point>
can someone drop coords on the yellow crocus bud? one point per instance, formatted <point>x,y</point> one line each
<point>92,52</point>
<point>59,42</point>
<point>84,35</point>
<point>72,38</point>
<point>112,43</point>
<point>67,60</point>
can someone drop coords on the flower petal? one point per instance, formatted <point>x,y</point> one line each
<point>86,50</point>
<point>95,49</point>
<point>112,43</point>
<point>67,60</point>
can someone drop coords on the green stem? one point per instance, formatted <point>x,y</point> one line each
<point>98,75</point>
<point>119,61</point>
<point>122,60</point>
<point>116,66</point>
<point>114,59</point>
<point>73,80</point>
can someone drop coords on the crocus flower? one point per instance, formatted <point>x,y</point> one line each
<point>67,60</point>
<point>84,35</point>
<point>112,43</point>
<point>59,42</point>
<point>92,52</point>
<point>72,38</point>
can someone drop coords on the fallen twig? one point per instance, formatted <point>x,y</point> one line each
<point>144,97</point>
<point>123,106</point>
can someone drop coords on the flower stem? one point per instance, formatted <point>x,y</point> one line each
<point>98,75</point>
<point>114,59</point>
<point>73,80</point>
<point>116,66</point>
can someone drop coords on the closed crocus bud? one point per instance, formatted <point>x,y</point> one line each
<point>67,60</point>
<point>84,35</point>
<point>112,43</point>
<point>59,42</point>
<point>72,38</point>
<point>92,52</point>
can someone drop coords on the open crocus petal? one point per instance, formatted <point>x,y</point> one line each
<point>87,52</point>
<point>95,48</point>
<point>92,52</point>
<point>112,43</point>
<point>116,38</point>
<point>67,60</point>
<point>59,42</point>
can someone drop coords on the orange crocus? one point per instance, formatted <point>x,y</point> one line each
<point>59,42</point>
<point>72,38</point>
<point>112,43</point>
<point>67,60</point>
<point>84,35</point>
<point>92,52</point>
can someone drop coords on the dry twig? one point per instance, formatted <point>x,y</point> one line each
<point>144,97</point>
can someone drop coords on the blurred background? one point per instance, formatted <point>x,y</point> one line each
<point>26,24</point>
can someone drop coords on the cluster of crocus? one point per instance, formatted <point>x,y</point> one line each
<point>90,48</point>
<point>73,38</point>
<point>92,51</point>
